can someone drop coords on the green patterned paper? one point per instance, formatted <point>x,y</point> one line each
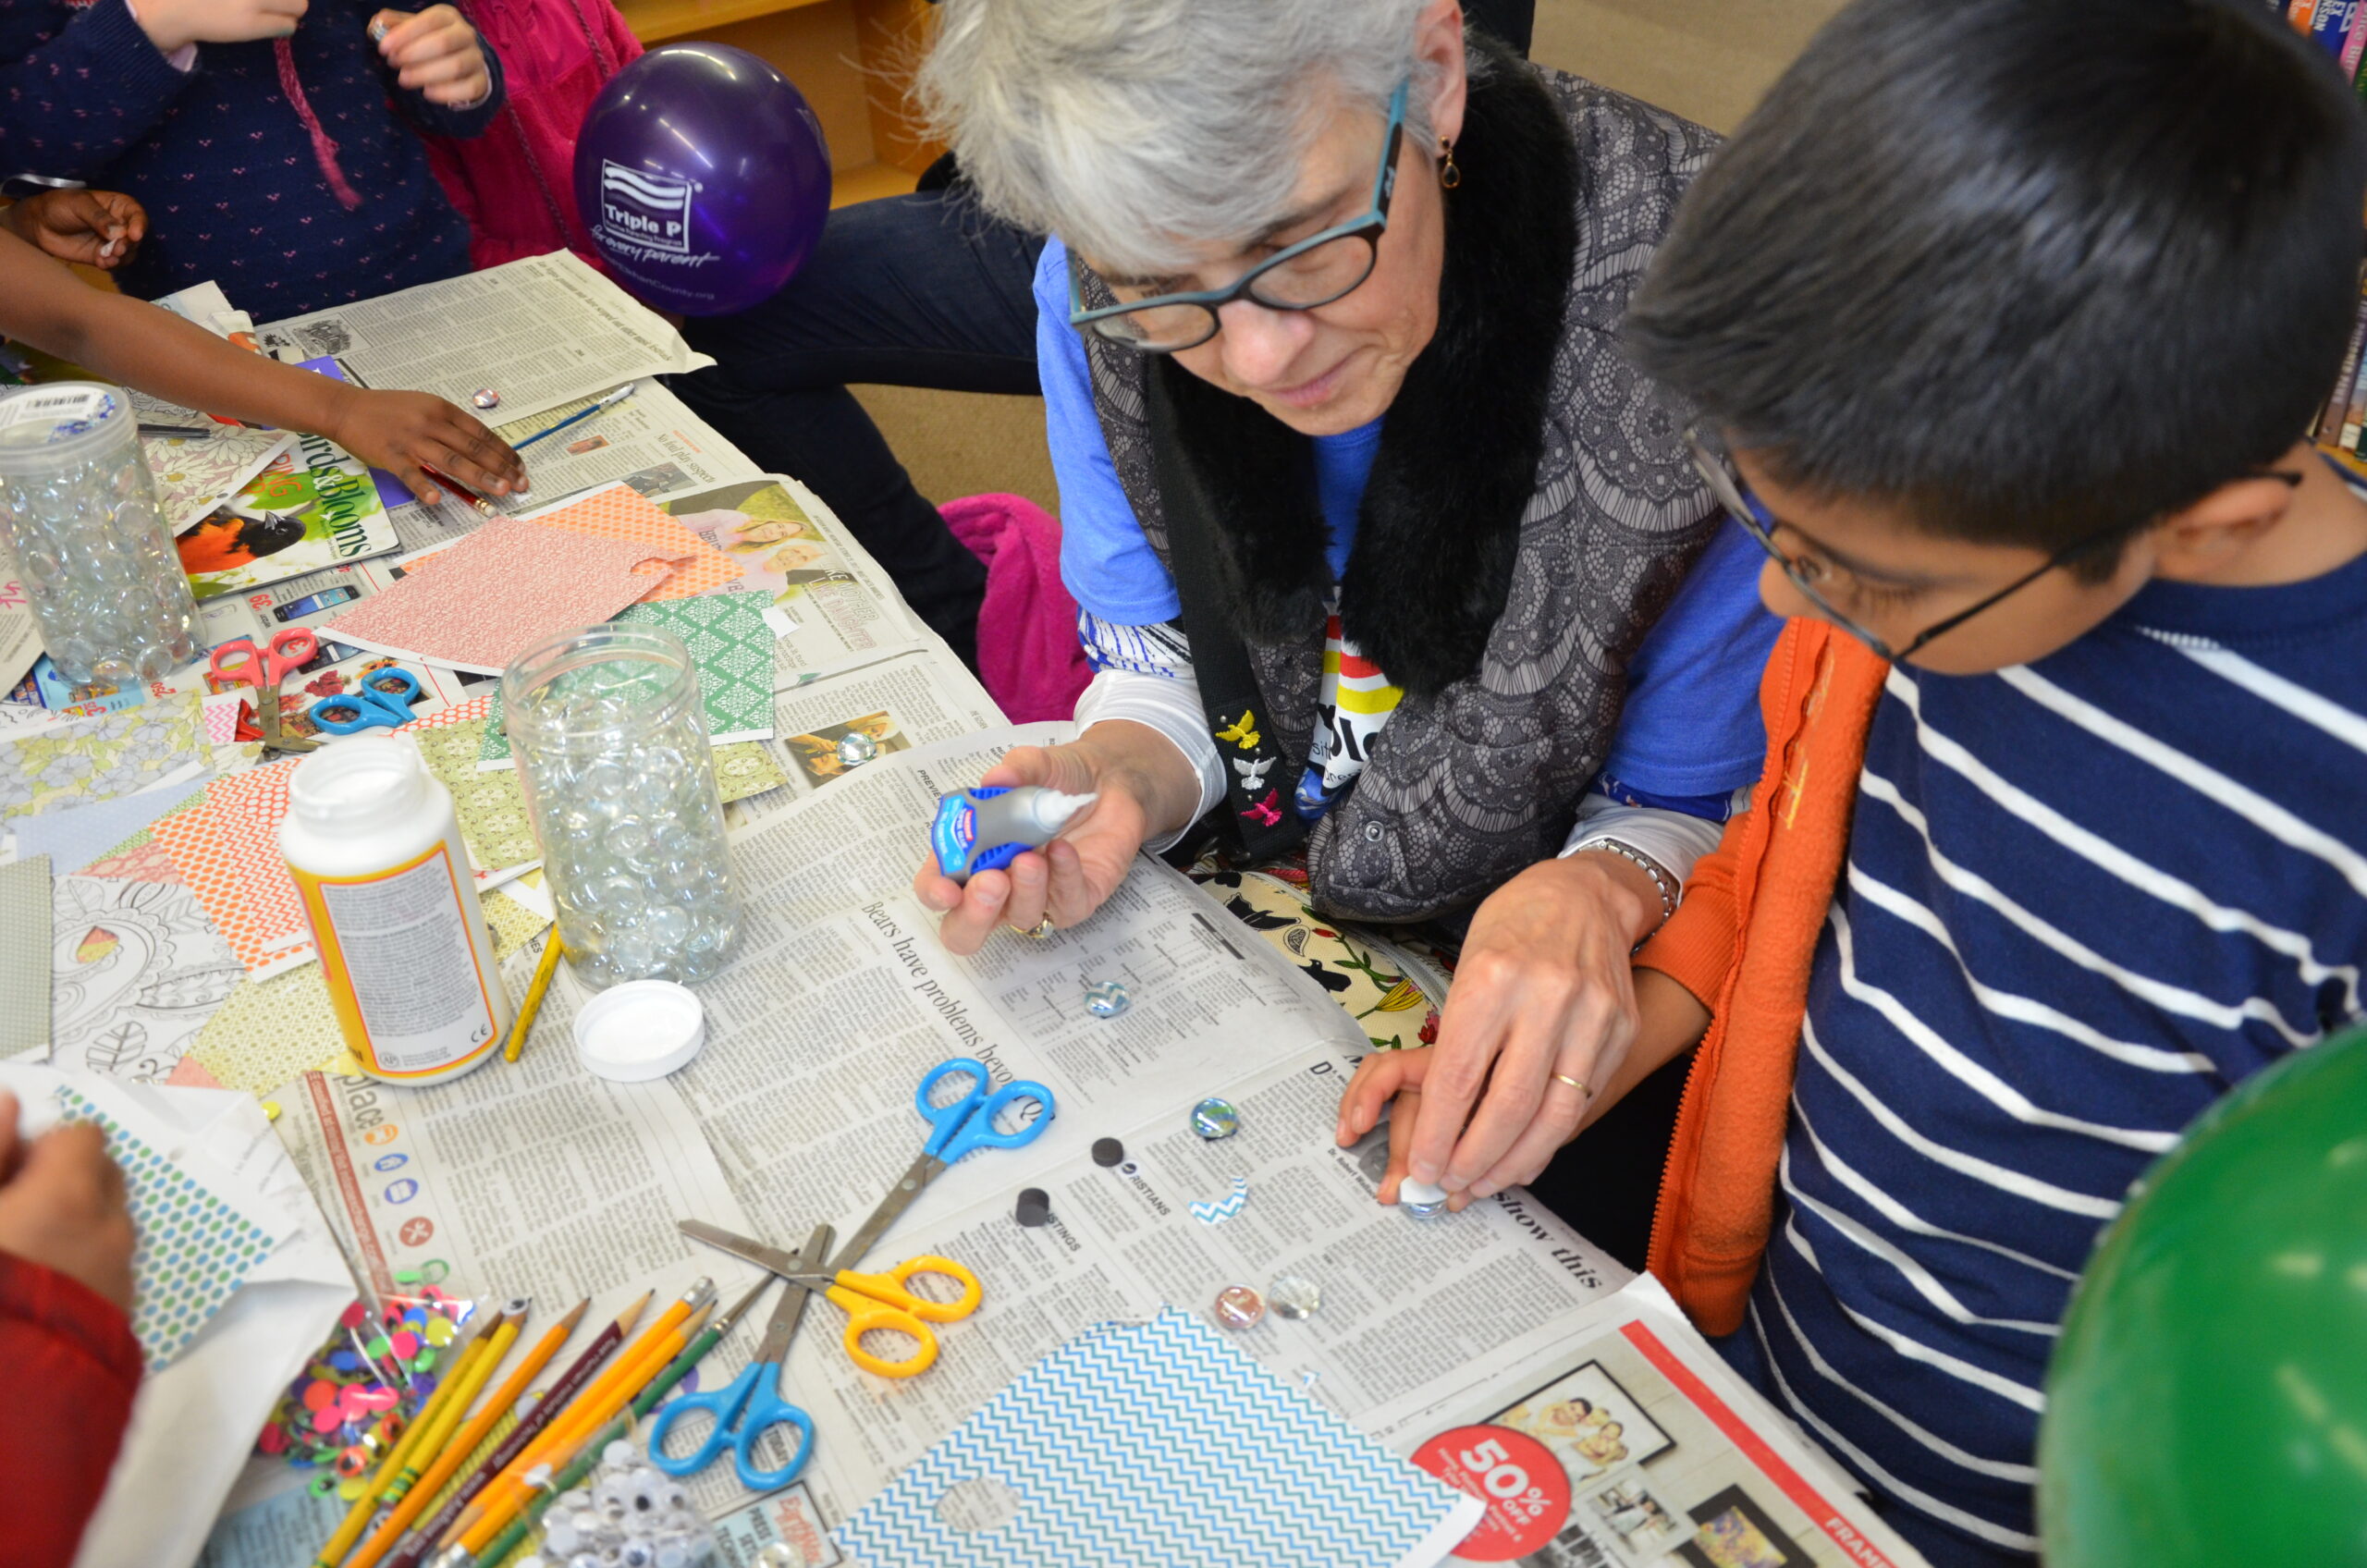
<point>194,1250</point>
<point>733,648</point>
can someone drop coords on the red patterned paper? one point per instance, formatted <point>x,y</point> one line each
<point>499,591</point>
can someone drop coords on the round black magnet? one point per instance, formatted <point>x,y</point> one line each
<point>1035,1206</point>
<point>1108,1152</point>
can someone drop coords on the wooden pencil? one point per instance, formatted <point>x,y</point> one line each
<point>582,1429</point>
<point>356,1518</point>
<point>457,1450</point>
<point>579,1373</point>
<point>553,951</point>
<point>503,1487</point>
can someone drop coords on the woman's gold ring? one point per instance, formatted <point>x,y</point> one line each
<point>1038,931</point>
<point>1584,1093</point>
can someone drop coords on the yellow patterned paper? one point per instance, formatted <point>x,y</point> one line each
<point>267,1031</point>
<point>83,761</point>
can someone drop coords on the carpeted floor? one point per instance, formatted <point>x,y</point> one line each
<point>1707,59</point>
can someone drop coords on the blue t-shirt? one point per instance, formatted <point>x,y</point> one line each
<point>1690,727</point>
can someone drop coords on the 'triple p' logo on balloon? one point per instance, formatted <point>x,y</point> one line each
<point>704,178</point>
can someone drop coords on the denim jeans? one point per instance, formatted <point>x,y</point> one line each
<point>919,291</point>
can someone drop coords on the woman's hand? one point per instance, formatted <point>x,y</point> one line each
<point>62,1205</point>
<point>1146,789</point>
<point>407,433</point>
<point>98,228</point>
<point>1543,989</point>
<point>171,25</point>
<point>434,53</point>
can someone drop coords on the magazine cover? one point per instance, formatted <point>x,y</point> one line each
<point>314,507</point>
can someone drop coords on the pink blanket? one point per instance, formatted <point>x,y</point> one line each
<point>1029,656</point>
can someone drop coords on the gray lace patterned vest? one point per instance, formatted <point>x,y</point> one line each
<point>1474,781</point>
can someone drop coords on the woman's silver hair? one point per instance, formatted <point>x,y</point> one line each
<point>1140,130</point>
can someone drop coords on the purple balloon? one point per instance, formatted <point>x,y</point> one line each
<point>704,178</point>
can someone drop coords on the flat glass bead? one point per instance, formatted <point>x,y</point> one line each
<point>1215,1119</point>
<point>1238,1306</point>
<point>1107,999</point>
<point>1293,1297</point>
<point>485,398</point>
<point>1421,1199</point>
<point>856,749</point>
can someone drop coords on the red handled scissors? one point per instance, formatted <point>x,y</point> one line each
<point>240,662</point>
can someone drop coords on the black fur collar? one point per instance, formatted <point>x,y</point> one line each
<point>1440,527</point>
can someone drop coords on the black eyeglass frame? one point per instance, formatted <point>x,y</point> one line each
<point>1733,493</point>
<point>1368,227</point>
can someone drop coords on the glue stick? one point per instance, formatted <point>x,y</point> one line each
<point>987,827</point>
<point>375,852</point>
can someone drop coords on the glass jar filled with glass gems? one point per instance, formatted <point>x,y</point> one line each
<point>78,510</point>
<point>611,745</point>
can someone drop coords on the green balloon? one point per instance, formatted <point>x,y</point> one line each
<point>2207,1403</point>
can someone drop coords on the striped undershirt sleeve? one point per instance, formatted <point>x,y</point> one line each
<point>1143,674</point>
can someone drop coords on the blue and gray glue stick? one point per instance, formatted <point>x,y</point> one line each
<point>986,829</point>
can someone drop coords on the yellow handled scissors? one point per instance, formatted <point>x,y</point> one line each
<point>872,1303</point>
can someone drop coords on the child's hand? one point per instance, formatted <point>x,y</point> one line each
<point>406,432</point>
<point>62,1205</point>
<point>434,53</point>
<point>99,228</point>
<point>170,24</point>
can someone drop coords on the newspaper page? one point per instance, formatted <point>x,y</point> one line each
<point>651,441</point>
<point>826,728</point>
<point>1632,1445</point>
<point>840,606</point>
<point>538,332</point>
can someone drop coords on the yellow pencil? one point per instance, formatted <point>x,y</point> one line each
<point>470,1383</point>
<point>457,1450</point>
<point>500,1488</point>
<point>584,1427</point>
<point>356,1518</point>
<point>552,952</point>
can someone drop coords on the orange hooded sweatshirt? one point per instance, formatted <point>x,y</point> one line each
<point>1742,944</point>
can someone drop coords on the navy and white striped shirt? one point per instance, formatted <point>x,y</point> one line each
<point>2083,898</point>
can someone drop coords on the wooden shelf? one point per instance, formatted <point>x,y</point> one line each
<point>657,21</point>
<point>866,180</point>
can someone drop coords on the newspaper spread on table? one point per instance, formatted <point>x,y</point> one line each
<point>838,608</point>
<point>542,1179</point>
<point>556,330</point>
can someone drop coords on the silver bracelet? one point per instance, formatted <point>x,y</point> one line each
<point>1669,891</point>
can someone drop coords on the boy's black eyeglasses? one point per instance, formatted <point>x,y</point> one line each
<point>1301,276</point>
<point>1731,492</point>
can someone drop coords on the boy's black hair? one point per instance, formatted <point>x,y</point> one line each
<point>2025,269</point>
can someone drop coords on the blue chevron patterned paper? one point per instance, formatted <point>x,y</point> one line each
<point>1225,1207</point>
<point>1158,1445</point>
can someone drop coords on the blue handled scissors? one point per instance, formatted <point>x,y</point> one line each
<point>751,1405</point>
<point>382,696</point>
<point>959,1127</point>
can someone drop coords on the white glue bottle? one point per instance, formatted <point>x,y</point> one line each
<point>376,851</point>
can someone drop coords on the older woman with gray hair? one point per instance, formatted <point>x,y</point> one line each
<point>1383,551</point>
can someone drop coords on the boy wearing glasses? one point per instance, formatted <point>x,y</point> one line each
<point>2004,321</point>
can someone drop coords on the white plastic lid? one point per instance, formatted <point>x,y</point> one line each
<point>640,1030</point>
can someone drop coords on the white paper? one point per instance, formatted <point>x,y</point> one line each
<point>194,1422</point>
<point>137,969</point>
<point>540,332</point>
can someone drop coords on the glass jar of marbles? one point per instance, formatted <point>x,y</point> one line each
<point>79,511</point>
<point>612,746</point>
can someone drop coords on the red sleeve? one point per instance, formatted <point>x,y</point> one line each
<point>70,1367</point>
